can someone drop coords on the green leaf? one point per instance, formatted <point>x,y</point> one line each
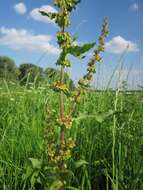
<point>57,184</point>
<point>48,14</point>
<point>43,13</point>
<point>78,51</point>
<point>99,117</point>
<point>80,163</point>
<point>36,164</point>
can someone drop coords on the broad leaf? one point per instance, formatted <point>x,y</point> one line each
<point>36,164</point>
<point>57,184</point>
<point>99,117</point>
<point>51,15</point>
<point>43,13</point>
<point>78,51</point>
<point>80,163</point>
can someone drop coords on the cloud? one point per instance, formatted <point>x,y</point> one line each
<point>38,17</point>
<point>119,45</point>
<point>25,40</point>
<point>20,8</point>
<point>134,7</point>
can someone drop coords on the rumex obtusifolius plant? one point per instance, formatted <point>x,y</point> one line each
<point>58,155</point>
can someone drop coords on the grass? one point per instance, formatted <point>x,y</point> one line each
<point>109,146</point>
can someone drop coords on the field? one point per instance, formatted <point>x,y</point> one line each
<point>108,133</point>
<point>71,95</point>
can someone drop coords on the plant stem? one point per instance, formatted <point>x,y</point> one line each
<point>114,139</point>
<point>62,132</point>
<point>61,94</point>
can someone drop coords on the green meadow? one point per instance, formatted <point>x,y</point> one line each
<point>63,128</point>
<point>108,134</point>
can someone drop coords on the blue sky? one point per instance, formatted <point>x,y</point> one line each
<point>25,36</point>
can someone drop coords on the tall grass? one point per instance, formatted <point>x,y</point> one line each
<point>109,146</point>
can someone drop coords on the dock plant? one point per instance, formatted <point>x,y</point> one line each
<point>59,154</point>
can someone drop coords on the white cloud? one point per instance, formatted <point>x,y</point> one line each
<point>134,7</point>
<point>38,17</point>
<point>25,40</point>
<point>119,45</point>
<point>20,8</point>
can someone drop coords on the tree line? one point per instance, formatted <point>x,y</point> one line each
<point>28,72</point>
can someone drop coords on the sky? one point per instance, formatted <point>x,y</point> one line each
<point>27,37</point>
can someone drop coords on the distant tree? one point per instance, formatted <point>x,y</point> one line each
<point>8,68</point>
<point>52,75</point>
<point>31,73</point>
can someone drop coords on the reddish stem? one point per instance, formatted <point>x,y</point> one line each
<point>62,138</point>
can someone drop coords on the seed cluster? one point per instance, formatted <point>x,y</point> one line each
<point>65,41</point>
<point>58,87</point>
<point>54,152</point>
<point>70,4</point>
<point>91,69</point>
<point>62,17</point>
<point>65,122</point>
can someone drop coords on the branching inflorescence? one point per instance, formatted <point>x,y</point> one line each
<point>59,155</point>
<point>91,69</point>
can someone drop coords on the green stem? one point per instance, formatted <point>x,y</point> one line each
<point>114,138</point>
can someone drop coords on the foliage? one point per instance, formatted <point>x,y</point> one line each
<point>95,145</point>
<point>30,73</point>
<point>8,69</point>
<point>58,154</point>
<point>101,140</point>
